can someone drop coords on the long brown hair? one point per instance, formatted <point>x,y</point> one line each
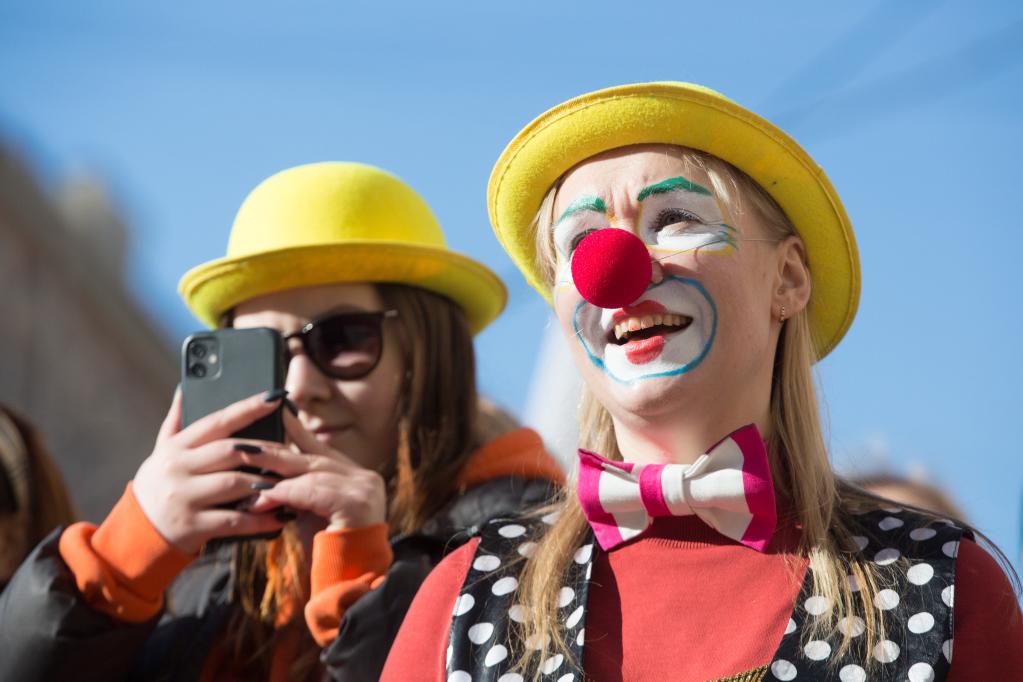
<point>436,422</point>
<point>822,503</point>
<point>41,498</point>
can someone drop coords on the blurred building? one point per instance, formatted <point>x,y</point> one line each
<point>77,354</point>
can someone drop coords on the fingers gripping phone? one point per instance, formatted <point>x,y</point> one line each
<point>223,366</point>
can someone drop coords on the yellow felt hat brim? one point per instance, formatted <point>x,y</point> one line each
<point>338,222</point>
<point>214,288</point>
<point>692,116</point>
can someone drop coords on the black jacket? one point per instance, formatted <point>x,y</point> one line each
<point>48,633</point>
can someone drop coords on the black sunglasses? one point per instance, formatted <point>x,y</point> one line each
<point>346,345</point>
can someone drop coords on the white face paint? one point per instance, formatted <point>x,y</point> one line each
<point>667,332</point>
<point>675,216</point>
<point>675,220</point>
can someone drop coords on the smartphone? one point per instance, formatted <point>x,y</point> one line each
<point>223,366</point>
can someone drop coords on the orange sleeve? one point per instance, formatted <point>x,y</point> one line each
<point>347,564</point>
<point>123,567</point>
<point>988,625</point>
<point>419,650</point>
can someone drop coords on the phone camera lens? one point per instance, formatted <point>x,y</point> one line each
<point>198,350</point>
<point>197,370</point>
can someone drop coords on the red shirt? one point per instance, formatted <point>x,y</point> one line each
<point>726,614</point>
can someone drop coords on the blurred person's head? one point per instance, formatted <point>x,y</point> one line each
<point>33,497</point>
<point>911,492</point>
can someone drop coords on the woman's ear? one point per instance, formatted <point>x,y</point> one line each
<point>793,285</point>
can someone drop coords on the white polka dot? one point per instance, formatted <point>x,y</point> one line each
<point>581,638</point>
<point>951,548</point>
<point>589,570</point>
<point>464,604</point>
<point>565,596</point>
<point>552,518</point>
<point>504,586</point>
<point>447,657</point>
<point>817,650</point>
<point>921,672</point>
<point>852,673</point>
<point>459,676</point>
<point>861,542</point>
<point>791,627</point>
<point>816,605</point>
<point>517,613</point>
<point>886,556</point>
<point>946,649</point>
<point>552,664</point>
<point>890,523</point>
<point>583,554</point>
<point>886,600</point>
<point>512,530</point>
<point>526,549</point>
<point>921,534</point>
<point>948,595</point>
<point>480,632</point>
<point>783,670</point>
<point>920,622</point>
<point>574,619</point>
<point>852,626</point>
<point>892,510</point>
<point>886,651</point>
<point>486,562</point>
<point>920,574</point>
<point>854,584</point>
<point>510,677</point>
<point>567,677</point>
<point>496,654</point>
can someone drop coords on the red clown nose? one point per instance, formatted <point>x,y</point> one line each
<point>611,268</point>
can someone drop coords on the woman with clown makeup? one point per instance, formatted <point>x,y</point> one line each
<point>699,263</point>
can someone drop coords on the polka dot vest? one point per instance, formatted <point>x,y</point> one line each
<point>915,603</point>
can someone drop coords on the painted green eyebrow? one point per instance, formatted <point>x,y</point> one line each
<point>672,185</point>
<point>584,204</point>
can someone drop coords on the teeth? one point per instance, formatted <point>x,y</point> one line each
<point>634,324</point>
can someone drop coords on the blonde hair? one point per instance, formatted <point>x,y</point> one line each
<point>821,503</point>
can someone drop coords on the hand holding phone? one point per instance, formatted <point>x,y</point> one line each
<point>185,485</point>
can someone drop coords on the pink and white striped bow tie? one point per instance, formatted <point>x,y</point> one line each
<point>729,489</point>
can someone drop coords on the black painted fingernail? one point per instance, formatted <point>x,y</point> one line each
<point>261,485</point>
<point>291,407</point>
<point>283,515</point>
<point>275,395</point>
<point>269,474</point>
<point>248,449</point>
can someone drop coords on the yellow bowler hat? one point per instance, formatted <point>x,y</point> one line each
<point>690,116</point>
<point>335,222</point>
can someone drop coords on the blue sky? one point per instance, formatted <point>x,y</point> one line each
<point>912,108</point>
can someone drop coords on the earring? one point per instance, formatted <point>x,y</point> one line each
<point>781,314</point>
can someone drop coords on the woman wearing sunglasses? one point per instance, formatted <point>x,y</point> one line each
<point>387,461</point>
<point>699,262</point>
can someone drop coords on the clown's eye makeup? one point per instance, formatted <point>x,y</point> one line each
<point>673,220</point>
<point>683,221</point>
<point>583,217</point>
<point>576,241</point>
